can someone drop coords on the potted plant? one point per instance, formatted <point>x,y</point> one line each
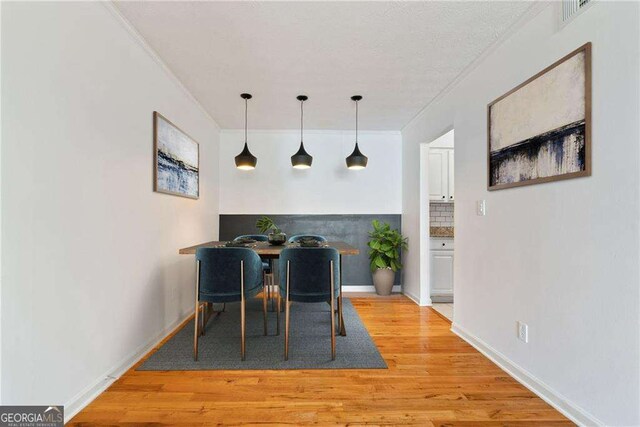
<point>276,236</point>
<point>385,245</point>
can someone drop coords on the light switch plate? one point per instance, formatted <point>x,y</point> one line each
<point>481,208</point>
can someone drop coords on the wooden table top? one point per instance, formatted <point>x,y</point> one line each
<point>265,249</point>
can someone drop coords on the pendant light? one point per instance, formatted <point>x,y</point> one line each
<point>356,160</point>
<point>245,160</point>
<point>302,159</point>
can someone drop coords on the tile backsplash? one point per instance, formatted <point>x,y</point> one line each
<point>441,214</point>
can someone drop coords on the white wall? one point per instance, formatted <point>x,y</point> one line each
<point>274,187</point>
<point>557,256</point>
<point>93,275</point>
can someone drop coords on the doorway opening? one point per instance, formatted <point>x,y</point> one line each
<point>437,190</point>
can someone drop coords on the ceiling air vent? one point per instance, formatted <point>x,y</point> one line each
<point>571,8</point>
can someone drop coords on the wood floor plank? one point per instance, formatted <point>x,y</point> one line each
<point>434,379</point>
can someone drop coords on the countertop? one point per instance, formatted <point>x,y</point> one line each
<point>441,231</point>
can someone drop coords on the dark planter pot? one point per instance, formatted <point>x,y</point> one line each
<point>277,239</point>
<point>383,280</point>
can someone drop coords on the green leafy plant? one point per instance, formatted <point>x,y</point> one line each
<point>265,224</point>
<point>385,245</point>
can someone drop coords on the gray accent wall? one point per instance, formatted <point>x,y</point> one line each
<point>352,229</point>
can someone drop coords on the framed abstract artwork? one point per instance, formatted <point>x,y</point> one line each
<point>540,131</point>
<point>176,160</point>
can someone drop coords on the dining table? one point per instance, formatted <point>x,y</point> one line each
<point>267,250</point>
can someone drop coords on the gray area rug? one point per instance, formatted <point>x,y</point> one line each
<point>309,342</point>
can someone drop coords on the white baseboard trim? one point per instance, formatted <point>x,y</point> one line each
<point>370,288</point>
<point>546,393</point>
<point>412,297</point>
<point>86,396</point>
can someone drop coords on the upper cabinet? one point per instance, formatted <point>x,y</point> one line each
<point>438,174</point>
<point>441,175</point>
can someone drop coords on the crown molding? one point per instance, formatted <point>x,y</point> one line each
<point>533,11</point>
<point>124,22</point>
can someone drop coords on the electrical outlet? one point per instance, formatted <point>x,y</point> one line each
<point>481,208</point>
<point>523,331</point>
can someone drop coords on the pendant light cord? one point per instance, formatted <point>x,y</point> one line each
<point>301,120</point>
<point>356,122</point>
<point>246,101</point>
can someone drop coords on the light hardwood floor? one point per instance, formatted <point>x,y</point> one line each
<point>434,379</point>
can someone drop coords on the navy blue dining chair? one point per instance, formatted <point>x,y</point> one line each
<point>298,237</point>
<point>309,275</point>
<point>258,238</point>
<point>267,264</point>
<point>227,275</point>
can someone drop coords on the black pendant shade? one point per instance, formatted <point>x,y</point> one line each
<point>302,159</point>
<point>245,160</point>
<point>357,160</point>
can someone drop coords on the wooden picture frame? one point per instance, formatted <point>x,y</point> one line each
<point>542,154</point>
<point>174,167</point>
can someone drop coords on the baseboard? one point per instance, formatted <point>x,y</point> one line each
<point>86,396</point>
<point>368,288</point>
<point>416,299</point>
<point>546,393</point>
<point>412,297</point>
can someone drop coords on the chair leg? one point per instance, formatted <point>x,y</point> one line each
<point>264,303</point>
<point>343,332</point>
<point>338,314</point>
<point>195,320</point>
<point>286,318</point>
<point>275,292</point>
<point>242,312</point>
<point>196,333</point>
<point>203,324</point>
<point>287,309</point>
<point>277,296</point>
<point>272,284</point>
<point>270,289</point>
<point>267,288</point>
<point>333,318</point>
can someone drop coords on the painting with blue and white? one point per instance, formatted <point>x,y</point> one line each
<point>177,160</point>
<point>537,133</point>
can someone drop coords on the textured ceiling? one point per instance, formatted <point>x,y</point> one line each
<point>398,55</point>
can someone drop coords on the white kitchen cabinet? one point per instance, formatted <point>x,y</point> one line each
<point>437,175</point>
<point>441,175</point>
<point>441,271</point>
